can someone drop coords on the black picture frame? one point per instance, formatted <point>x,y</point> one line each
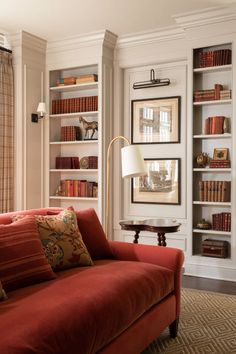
<point>156,120</point>
<point>161,185</point>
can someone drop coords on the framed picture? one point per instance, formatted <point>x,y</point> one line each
<point>155,120</point>
<point>161,185</point>
<point>220,154</point>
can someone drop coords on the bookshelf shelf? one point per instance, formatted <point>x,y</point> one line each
<point>80,170</point>
<point>213,102</point>
<point>77,142</point>
<point>212,170</point>
<point>71,88</point>
<point>213,69</point>
<point>55,197</point>
<point>213,136</point>
<point>209,116</point>
<point>213,232</point>
<point>220,204</point>
<point>74,115</point>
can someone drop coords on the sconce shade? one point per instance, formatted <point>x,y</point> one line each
<point>41,108</point>
<point>132,162</point>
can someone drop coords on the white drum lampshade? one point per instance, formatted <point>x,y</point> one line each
<point>132,162</point>
<point>41,109</point>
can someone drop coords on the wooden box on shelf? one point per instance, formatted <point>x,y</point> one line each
<point>215,248</point>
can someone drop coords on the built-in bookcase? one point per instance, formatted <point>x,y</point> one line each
<point>212,66</point>
<point>68,103</point>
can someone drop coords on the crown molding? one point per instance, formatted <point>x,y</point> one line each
<point>103,37</point>
<point>27,40</point>
<point>153,36</point>
<point>209,16</point>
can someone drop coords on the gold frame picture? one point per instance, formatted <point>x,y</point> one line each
<point>220,154</point>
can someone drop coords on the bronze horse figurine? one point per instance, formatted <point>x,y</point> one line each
<point>88,126</point>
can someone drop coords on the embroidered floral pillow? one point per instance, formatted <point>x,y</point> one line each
<point>62,241</point>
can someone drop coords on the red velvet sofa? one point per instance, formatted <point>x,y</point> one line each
<point>118,305</point>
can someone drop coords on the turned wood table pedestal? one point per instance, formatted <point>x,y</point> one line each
<point>159,226</point>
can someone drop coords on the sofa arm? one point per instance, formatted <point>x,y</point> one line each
<point>171,258</point>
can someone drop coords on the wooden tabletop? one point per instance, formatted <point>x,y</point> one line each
<point>153,225</point>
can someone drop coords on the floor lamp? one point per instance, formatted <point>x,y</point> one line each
<point>132,166</point>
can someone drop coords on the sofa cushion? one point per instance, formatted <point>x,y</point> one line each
<point>83,309</point>
<point>92,232</point>
<point>22,260</point>
<point>61,239</point>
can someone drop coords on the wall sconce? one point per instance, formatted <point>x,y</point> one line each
<point>41,110</point>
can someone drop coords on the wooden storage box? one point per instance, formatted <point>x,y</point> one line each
<point>215,248</point>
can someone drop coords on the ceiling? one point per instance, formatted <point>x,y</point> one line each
<point>54,19</point>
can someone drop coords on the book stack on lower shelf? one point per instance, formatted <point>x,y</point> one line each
<point>214,191</point>
<point>77,188</point>
<point>221,222</point>
<point>67,162</point>
<point>219,163</point>
<point>208,95</point>
<point>216,125</point>
<point>71,133</point>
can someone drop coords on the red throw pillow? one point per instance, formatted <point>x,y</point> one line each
<point>22,259</point>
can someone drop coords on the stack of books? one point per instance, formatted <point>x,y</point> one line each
<point>78,188</point>
<point>93,162</point>
<point>225,94</point>
<point>71,133</point>
<point>208,95</point>
<point>219,163</point>
<point>221,222</point>
<point>215,58</point>
<point>84,79</point>
<point>216,125</point>
<point>73,105</point>
<point>214,191</point>
<point>67,162</point>
<point>63,81</point>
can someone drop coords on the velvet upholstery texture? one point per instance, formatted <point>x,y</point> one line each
<point>83,309</point>
<point>22,259</point>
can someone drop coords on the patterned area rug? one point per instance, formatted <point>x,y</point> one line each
<point>207,326</point>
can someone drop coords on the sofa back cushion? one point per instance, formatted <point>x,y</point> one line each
<point>22,259</point>
<point>93,234</point>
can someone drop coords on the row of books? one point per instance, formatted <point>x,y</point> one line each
<point>221,222</point>
<point>72,80</point>
<point>225,94</point>
<point>214,191</point>
<point>215,58</point>
<point>216,125</point>
<point>73,105</point>
<point>67,162</point>
<point>78,188</point>
<point>71,133</point>
<point>219,163</point>
<point>74,162</point>
<point>208,95</point>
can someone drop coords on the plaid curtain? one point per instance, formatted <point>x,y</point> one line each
<point>6,132</point>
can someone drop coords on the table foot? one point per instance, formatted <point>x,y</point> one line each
<point>161,239</point>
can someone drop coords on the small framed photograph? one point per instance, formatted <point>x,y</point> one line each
<point>161,185</point>
<point>220,154</point>
<point>155,120</point>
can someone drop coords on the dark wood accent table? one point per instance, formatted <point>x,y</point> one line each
<point>159,226</point>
